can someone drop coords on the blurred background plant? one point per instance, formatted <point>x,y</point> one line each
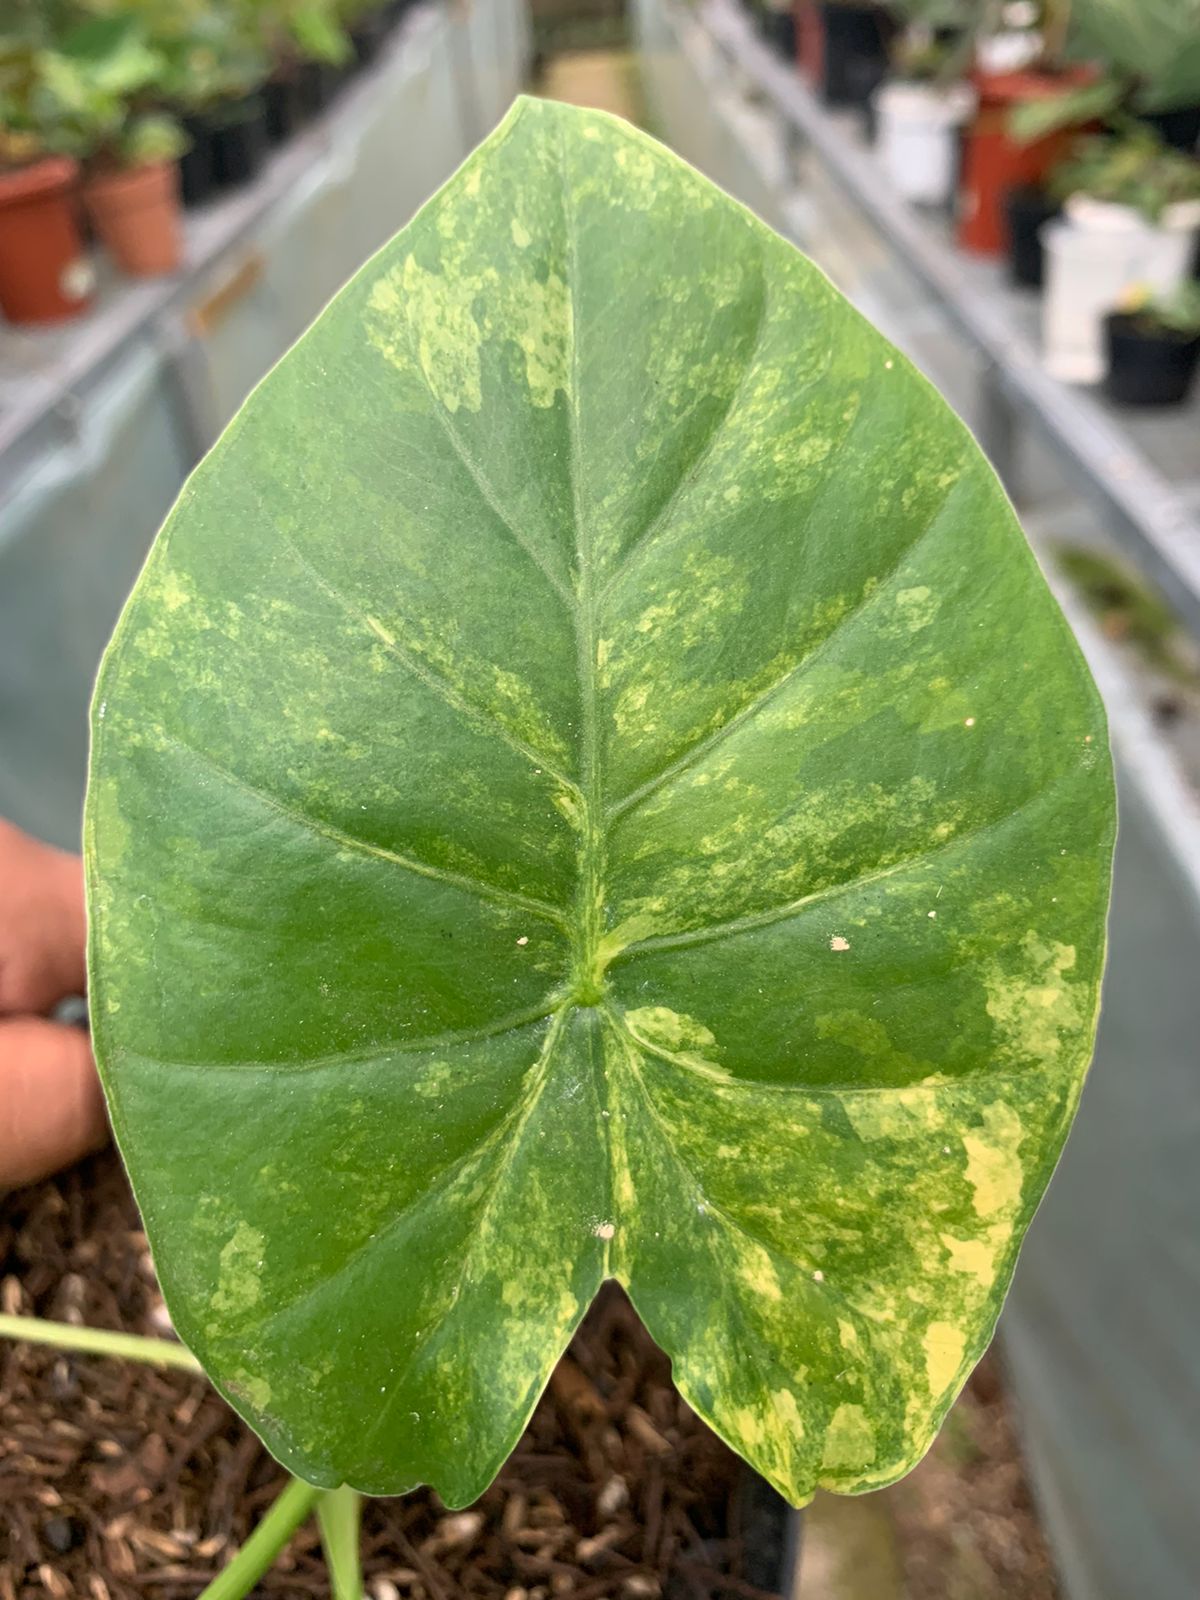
<point>78,77</point>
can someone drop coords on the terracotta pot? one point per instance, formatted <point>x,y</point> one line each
<point>44,274</point>
<point>993,162</point>
<point>136,213</point>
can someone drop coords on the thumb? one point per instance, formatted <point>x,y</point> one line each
<point>51,1108</point>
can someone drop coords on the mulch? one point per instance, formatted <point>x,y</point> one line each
<point>119,1482</point>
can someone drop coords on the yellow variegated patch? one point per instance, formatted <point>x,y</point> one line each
<point>592,783</point>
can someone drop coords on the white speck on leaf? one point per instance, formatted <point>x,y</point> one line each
<point>604,1230</point>
<point>970,722</point>
<point>524,939</point>
<point>818,1276</point>
<point>838,943</point>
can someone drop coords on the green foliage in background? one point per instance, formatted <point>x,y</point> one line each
<point>1134,168</point>
<point>591,783</point>
<point>1151,45</point>
<point>106,77</point>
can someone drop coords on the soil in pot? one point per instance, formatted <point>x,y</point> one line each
<point>1027,209</point>
<point>146,1480</point>
<point>239,140</point>
<point>994,162</point>
<point>1148,365</point>
<point>137,217</point>
<point>856,39</point>
<point>44,274</point>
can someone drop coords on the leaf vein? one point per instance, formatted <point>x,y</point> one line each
<point>347,841</point>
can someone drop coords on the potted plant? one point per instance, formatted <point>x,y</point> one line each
<point>310,47</point>
<point>217,61</point>
<point>1018,66</point>
<point>919,111</point>
<point>1131,215</point>
<point>45,274</point>
<point>850,41</point>
<point>1153,345</point>
<point>132,196</point>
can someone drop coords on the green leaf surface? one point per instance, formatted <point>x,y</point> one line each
<point>591,782</point>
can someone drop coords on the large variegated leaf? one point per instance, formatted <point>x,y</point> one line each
<point>591,783</point>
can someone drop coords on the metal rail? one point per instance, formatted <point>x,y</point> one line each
<point>1147,513</point>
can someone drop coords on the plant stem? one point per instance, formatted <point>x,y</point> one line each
<point>265,1543</point>
<point>99,1341</point>
<point>339,1511</point>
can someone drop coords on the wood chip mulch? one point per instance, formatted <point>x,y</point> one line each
<point>118,1482</point>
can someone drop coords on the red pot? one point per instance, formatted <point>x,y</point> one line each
<point>810,42</point>
<point>994,163</point>
<point>44,274</point>
<point>137,214</point>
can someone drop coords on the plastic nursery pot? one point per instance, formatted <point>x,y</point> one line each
<point>993,161</point>
<point>1092,257</point>
<point>1027,210</point>
<point>239,140</point>
<point>1161,253</point>
<point>917,138</point>
<point>44,274</point>
<point>138,218</point>
<point>317,83</point>
<point>855,56</point>
<point>197,173</point>
<point>285,106</point>
<point>1148,365</point>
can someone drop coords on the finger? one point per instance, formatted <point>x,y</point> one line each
<point>43,925</point>
<point>51,1108</point>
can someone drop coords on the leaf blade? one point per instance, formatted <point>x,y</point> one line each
<point>662,873</point>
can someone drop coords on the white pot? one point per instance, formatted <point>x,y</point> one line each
<point>917,138</point>
<point>1092,258</point>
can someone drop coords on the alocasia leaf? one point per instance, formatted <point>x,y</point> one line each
<point>591,783</point>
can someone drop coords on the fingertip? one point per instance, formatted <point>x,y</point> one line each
<point>51,1105</point>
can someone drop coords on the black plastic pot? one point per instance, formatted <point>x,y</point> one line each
<point>1027,209</point>
<point>197,172</point>
<point>1179,128</point>
<point>317,83</point>
<point>779,30</point>
<point>284,105</point>
<point>239,140</point>
<point>1148,365</point>
<point>856,52</point>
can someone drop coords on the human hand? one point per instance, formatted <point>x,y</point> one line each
<point>51,1109</point>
